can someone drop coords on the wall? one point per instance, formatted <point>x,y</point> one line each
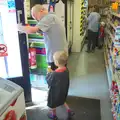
<point>60,11</point>
<point>68,21</point>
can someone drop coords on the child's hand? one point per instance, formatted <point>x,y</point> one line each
<point>49,70</point>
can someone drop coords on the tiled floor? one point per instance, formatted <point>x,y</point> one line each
<point>84,108</point>
<point>88,79</point>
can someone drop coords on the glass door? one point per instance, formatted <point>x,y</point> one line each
<point>14,64</point>
<point>9,38</point>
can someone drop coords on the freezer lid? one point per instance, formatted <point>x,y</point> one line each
<point>8,92</point>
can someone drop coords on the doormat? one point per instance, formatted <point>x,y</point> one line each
<point>85,109</point>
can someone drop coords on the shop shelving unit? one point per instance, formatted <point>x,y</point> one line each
<point>112,60</point>
<point>83,21</point>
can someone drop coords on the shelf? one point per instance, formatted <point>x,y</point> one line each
<point>36,40</point>
<point>115,14</point>
<point>108,31</point>
<point>111,24</point>
<point>117,76</point>
<point>112,73</point>
<point>107,69</point>
<point>105,57</point>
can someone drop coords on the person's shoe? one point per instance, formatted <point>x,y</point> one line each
<point>93,51</point>
<point>70,115</point>
<point>100,47</point>
<point>52,117</point>
<point>88,51</point>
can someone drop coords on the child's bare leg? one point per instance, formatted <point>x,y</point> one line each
<point>54,111</point>
<point>66,106</point>
<point>70,112</point>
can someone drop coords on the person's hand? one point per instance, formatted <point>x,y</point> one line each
<point>49,69</point>
<point>19,27</point>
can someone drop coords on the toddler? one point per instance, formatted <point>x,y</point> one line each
<point>101,35</point>
<point>58,82</point>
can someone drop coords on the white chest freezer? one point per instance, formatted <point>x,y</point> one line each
<point>12,103</point>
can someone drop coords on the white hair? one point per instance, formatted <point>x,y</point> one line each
<point>37,8</point>
<point>61,57</point>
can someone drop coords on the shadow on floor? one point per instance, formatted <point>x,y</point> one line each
<point>85,109</point>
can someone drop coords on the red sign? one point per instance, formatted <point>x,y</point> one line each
<point>3,50</point>
<point>10,115</point>
<point>32,58</point>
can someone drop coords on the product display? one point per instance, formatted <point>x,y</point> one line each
<point>34,36</point>
<point>38,58</point>
<point>32,58</point>
<point>112,58</point>
<point>40,55</point>
<point>83,21</point>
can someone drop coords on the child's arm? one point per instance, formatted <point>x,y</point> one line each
<point>51,79</point>
<point>49,70</point>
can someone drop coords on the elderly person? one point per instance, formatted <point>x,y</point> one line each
<point>93,28</point>
<point>53,29</point>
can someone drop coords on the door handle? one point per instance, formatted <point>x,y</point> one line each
<point>19,13</point>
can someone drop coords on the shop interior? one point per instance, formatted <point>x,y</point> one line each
<point>95,82</point>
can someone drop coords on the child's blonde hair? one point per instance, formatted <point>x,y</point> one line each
<point>102,23</point>
<point>60,57</point>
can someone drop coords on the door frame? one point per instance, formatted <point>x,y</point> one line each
<point>69,24</point>
<point>23,81</point>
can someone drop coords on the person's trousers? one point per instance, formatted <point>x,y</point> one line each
<point>92,40</point>
<point>100,41</point>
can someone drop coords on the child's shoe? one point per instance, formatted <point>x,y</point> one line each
<point>70,114</point>
<point>52,117</point>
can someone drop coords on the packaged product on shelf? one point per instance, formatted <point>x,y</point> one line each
<point>115,100</point>
<point>117,29</point>
<point>117,64</point>
<point>114,6</point>
<point>35,35</point>
<point>32,57</point>
<point>116,22</point>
